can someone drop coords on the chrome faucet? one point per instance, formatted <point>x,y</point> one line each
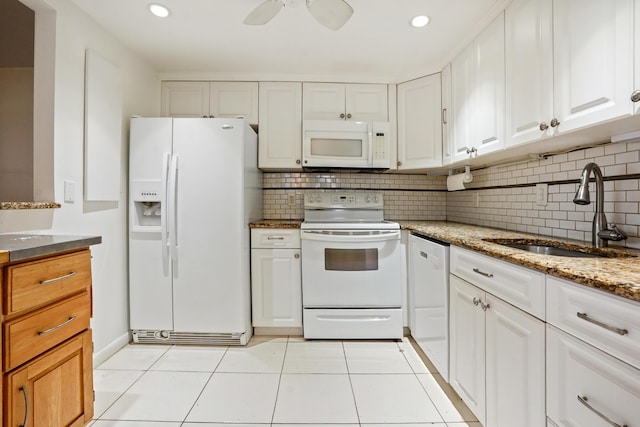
<point>600,234</point>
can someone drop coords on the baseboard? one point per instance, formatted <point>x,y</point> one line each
<point>277,331</point>
<point>111,349</point>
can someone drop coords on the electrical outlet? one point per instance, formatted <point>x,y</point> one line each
<point>542,193</point>
<point>476,200</point>
<point>291,199</point>
<point>69,192</point>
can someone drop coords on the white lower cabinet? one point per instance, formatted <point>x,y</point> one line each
<point>276,289</point>
<point>587,387</point>
<point>497,355</point>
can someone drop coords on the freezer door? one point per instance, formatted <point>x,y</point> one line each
<point>150,283</point>
<point>211,258</point>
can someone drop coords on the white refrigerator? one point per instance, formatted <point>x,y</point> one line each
<point>194,186</point>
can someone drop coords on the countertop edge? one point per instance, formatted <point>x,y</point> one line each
<point>29,205</point>
<point>39,248</point>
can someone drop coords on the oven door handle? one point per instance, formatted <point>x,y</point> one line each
<point>350,238</point>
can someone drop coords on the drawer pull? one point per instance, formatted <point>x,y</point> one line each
<point>66,276</point>
<point>275,238</point>
<point>23,389</point>
<point>585,316</point>
<point>424,254</point>
<point>475,270</point>
<point>48,331</point>
<point>584,399</point>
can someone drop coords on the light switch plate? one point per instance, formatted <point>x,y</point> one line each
<point>542,194</point>
<point>69,192</point>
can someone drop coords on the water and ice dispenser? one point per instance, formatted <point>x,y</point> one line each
<point>147,205</point>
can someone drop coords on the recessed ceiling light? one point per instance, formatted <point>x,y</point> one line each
<point>419,21</point>
<point>159,10</point>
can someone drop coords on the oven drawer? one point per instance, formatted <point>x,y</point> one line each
<point>353,323</point>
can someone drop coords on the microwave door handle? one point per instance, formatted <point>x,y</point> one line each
<point>370,161</point>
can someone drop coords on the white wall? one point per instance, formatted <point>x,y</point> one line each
<point>74,33</point>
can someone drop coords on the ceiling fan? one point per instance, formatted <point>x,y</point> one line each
<point>333,14</point>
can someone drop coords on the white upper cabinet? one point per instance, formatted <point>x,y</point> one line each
<point>593,61</point>
<point>280,126</point>
<point>210,99</point>
<point>529,71</point>
<point>477,94</point>
<point>447,148</point>
<point>635,95</point>
<point>419,123</point>
<point>337,101</point>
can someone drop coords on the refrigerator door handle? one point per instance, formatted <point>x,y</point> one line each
<point>173,207</point>
<point>166,161</point>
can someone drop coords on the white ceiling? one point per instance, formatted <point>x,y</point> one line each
<point>206,39</point>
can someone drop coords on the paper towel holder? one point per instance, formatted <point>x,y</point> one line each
<point>468,177</point>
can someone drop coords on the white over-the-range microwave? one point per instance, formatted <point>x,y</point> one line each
<point>329,144</point>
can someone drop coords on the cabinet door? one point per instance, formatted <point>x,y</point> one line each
<point>280,126</point>
<point>185,99</point>
<point>467,341</point>
<point>366,102</point>
<point>231,99</point>
<point>529,71</point>
<point>323,101</point>
<point>515,344</point>
<point>636,47</point>
<point>276,287</point>
<point>592,61</point>
<point>447,149</point>
<point>419,128</point>
<point>53,390</point>
<point>462,104</point>
<point>489,98</point>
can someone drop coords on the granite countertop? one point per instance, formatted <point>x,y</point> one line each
<point>276,223</point>
<point>28,205</point>
<point>619,276</point>
<point>18,247</point>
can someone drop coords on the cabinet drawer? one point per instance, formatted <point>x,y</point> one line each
<point>31,284</point>
<point>519,286</point>
<point>579,375</point>
<point>607,322</point>
<point>275,238</point>
<point>28,336</point>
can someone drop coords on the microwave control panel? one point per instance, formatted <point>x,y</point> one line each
<point>380,144</point>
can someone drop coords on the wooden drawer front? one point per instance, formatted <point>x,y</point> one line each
<point>519,286</point>
<point>58,387</point>
<point>275,238</point>
<point>34,283</point>
<point>609,323</point>
<point>575,369</point>
<point>30,335</point>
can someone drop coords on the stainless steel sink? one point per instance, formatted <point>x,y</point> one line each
<point>546,247</point>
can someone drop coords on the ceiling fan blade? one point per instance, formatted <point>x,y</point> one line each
<point>333,14</point>
<point>264,12</point>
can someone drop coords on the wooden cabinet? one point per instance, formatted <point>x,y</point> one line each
<point>497,360</point>
<point>276,287</point>
<point>46,342</point>
<point>210,99</point>
<point>477,80</point>
<point>529,71</point>
<point>280,126</point>
<point>419,123</point>
<point>336,101</point>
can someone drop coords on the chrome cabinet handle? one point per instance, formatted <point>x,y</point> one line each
<point>585,316</point>
<point>298,162</point>
<point>475,270</point>
<point>444,116</point>
<point>635,96</point>
<point>583,400</point>
<point>544,126</point>
<point>349,116</point>
<point>342,115</point>
<point>399,163</point>
<point>476,301</point>
<point>296,256</point>
<point>48,331</point>
<point>424,254</point>
<point>555,123</point>
<point>484,306</point>
<point>66,276</point>
<point>23,389</point>
<point>275,238</point>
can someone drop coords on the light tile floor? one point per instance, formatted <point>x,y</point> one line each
<point>275,381</point>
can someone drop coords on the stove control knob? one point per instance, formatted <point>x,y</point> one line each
<point>375,199</point>
<point>368,199</point>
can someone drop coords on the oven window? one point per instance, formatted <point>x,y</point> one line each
<point>350,259</point>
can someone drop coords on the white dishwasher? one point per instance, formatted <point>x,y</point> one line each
<point>429,299</point>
